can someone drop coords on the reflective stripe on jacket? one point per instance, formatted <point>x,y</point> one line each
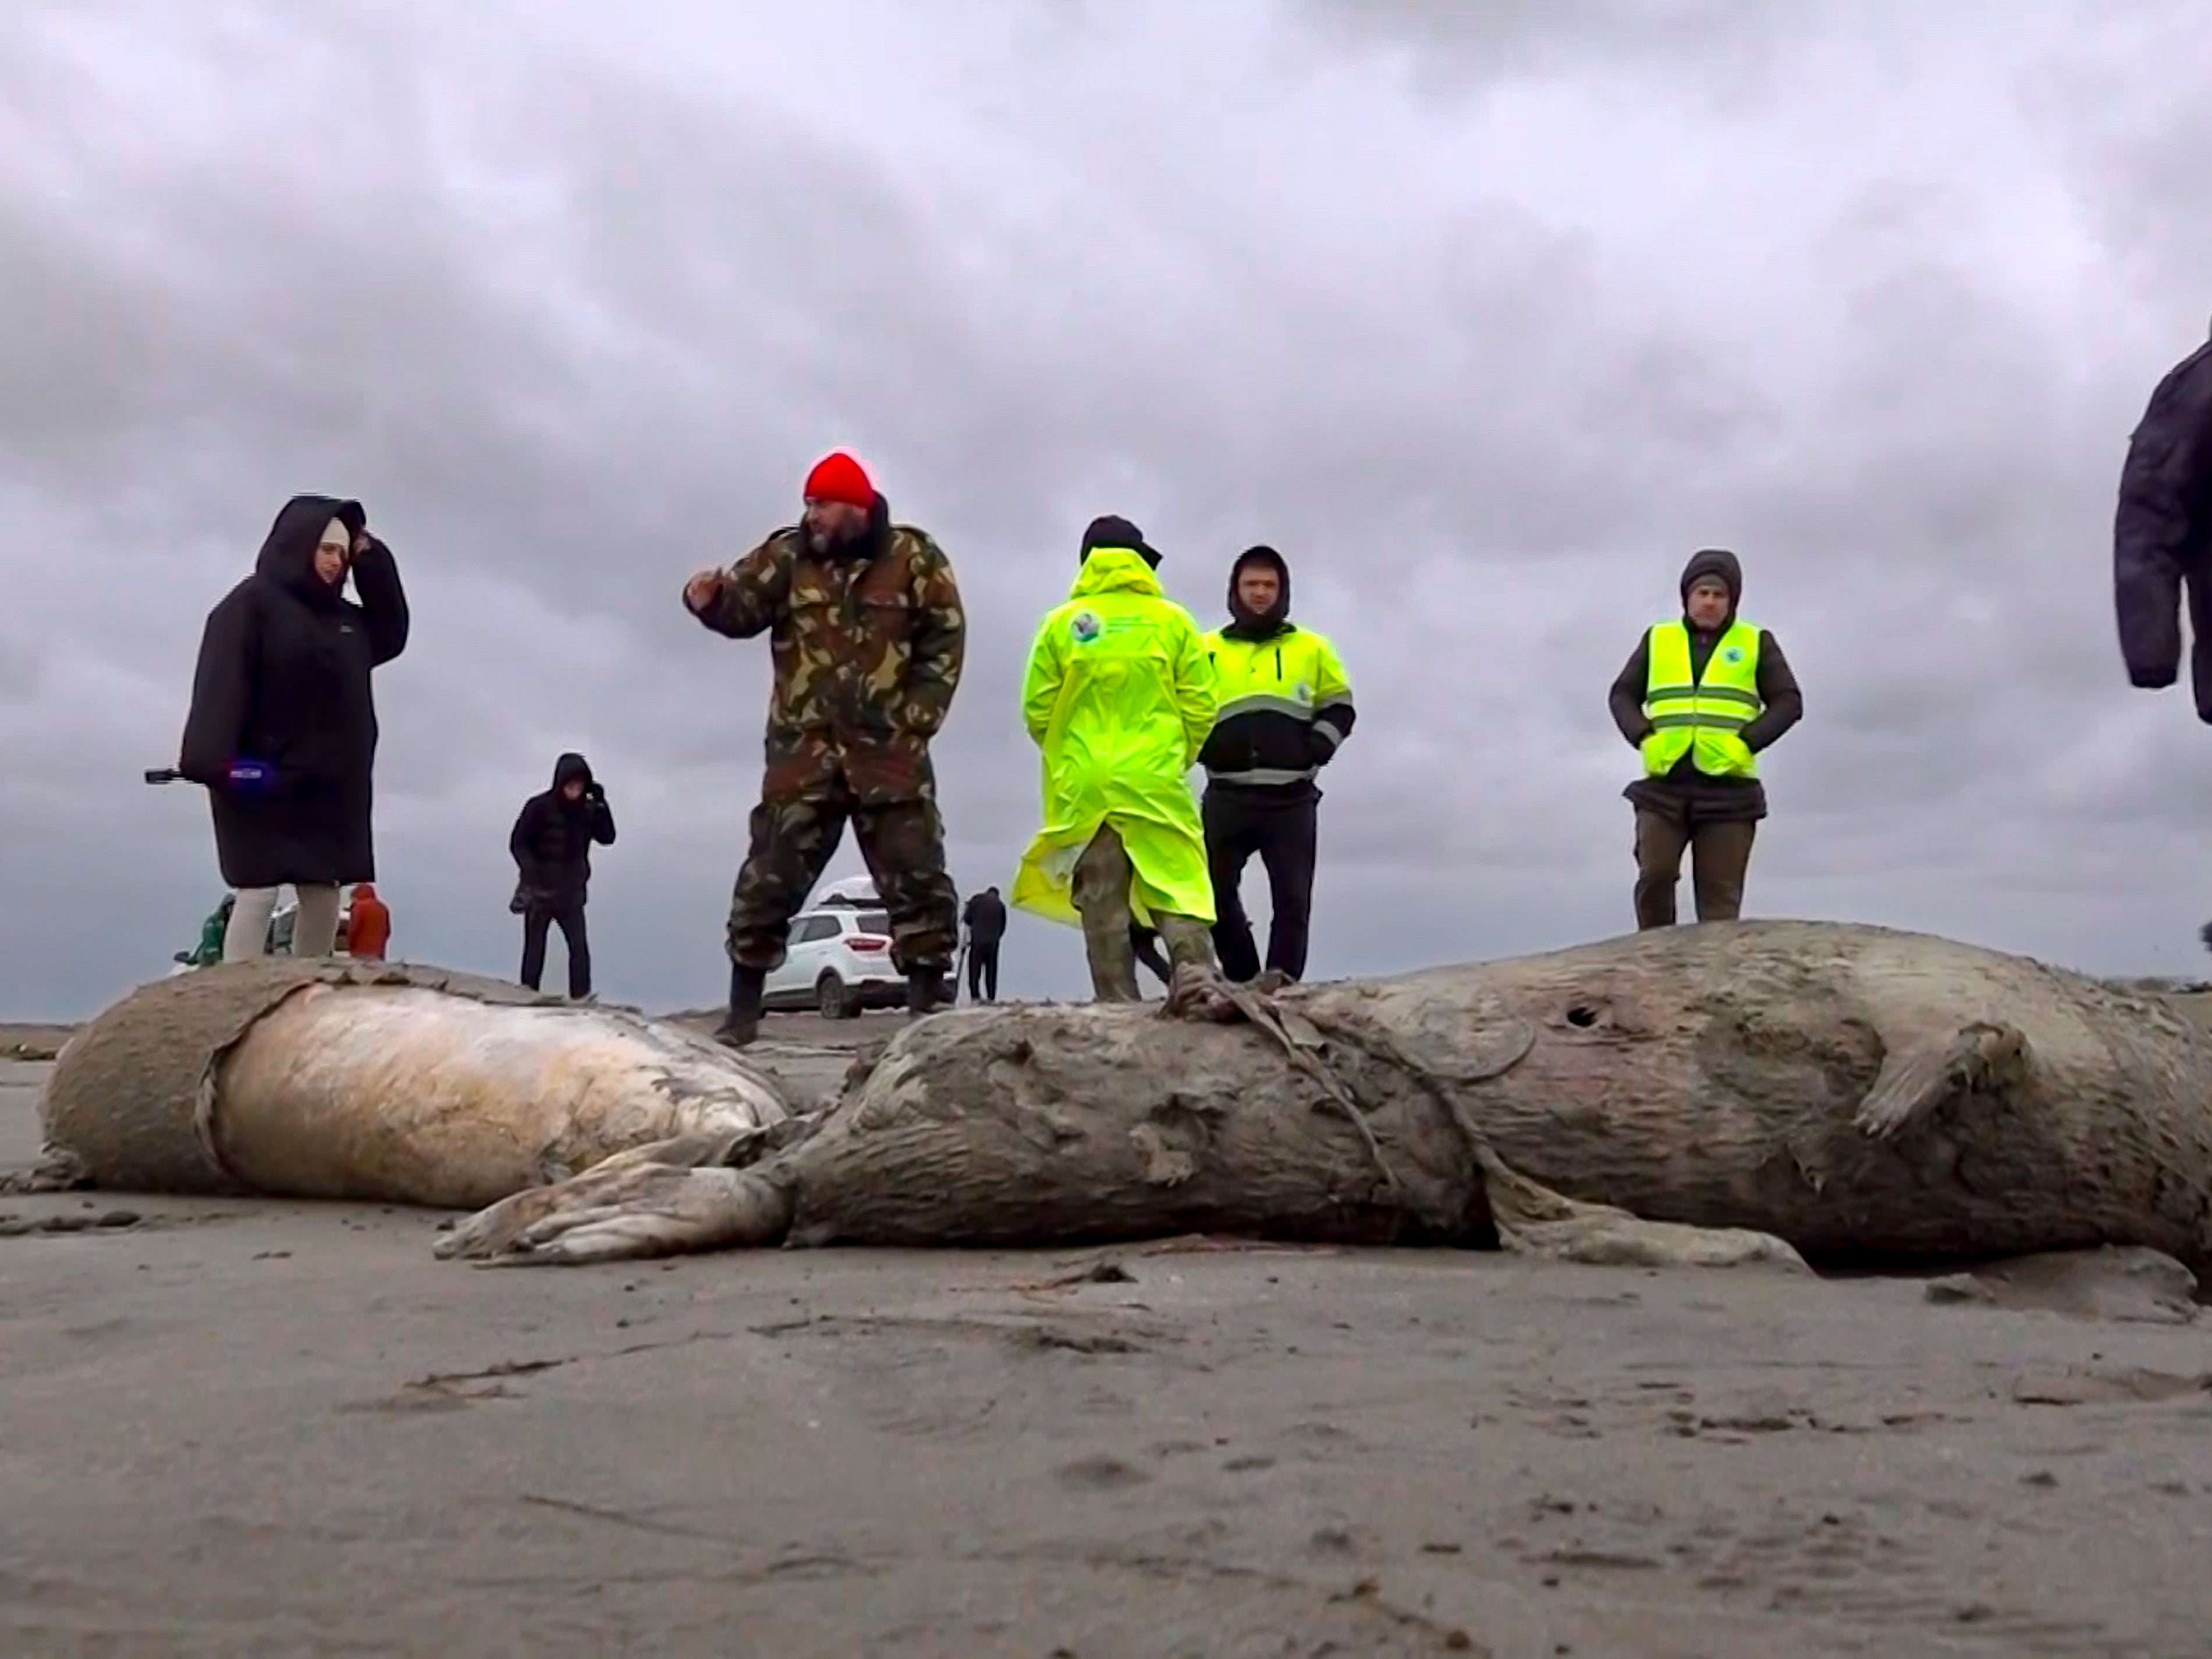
<point>1285,706</point>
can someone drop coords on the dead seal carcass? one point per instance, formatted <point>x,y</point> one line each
<point>387,1081</point>
<point>1724,1092</point>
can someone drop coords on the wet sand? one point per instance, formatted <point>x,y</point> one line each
<point>248,1428</point>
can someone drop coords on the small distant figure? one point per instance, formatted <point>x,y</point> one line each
<point>2162,533</point>
<point>1119,697</point>
<point>368,925</point>
<point>552,843</point>
<point>283,728</point>
<point>209,951</point>
<point>1701,696</point>
<point>985,919</point>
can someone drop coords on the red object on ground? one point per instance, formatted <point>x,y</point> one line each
<point>370,929</point>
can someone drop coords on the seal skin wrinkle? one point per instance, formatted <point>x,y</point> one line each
<point>1767,1091</point>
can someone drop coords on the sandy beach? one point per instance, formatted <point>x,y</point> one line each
<point>250,1428</point>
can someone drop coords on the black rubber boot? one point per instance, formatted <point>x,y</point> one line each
<point>925,992</point>
<point>741,1023</point>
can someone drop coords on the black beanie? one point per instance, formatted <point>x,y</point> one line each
<point>1111,530</point>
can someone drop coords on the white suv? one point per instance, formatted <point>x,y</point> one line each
<point>838,961</point>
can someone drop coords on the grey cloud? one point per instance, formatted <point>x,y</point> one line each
<point>571,302</point>
<point>22,670</point>
<point>2126,128</point>
<point>1447,47</point>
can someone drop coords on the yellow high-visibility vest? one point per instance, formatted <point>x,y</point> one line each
<point>1701,718</point>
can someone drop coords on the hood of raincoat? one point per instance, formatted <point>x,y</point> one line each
<point>1111,570</point>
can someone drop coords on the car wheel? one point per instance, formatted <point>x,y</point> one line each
<point>832,998</point>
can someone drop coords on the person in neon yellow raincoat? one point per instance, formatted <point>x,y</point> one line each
<point>1120,696</point>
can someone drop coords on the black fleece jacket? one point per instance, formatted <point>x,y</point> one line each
<point>2162,533</point>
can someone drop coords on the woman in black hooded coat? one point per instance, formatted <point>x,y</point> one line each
<point>282,727</point>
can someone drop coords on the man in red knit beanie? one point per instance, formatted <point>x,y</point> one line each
<point>866,637</point>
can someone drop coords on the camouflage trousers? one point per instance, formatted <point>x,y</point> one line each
<point>793,842</point>
<point>1102,876</point>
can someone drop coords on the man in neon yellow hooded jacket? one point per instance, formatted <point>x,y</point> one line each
<point>1120,697</point>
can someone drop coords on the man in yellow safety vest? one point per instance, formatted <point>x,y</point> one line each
<point>1702,696</point>
<point>1118,696</point>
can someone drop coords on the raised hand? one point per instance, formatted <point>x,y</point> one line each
<point>702,588</point>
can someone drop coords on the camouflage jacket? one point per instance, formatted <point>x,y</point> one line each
<point>867,648</point>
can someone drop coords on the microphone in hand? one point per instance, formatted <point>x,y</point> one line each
<point>249,776</point>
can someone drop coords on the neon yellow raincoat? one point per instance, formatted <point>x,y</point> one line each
<point>1120,698</point>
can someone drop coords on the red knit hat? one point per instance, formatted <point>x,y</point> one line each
<point>838,476</point>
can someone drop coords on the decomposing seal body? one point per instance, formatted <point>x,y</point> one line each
<point>386,1081</point>
<point>1720,1093</point>
<point>1740,1091</point>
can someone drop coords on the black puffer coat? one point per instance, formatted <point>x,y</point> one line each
<point>2162,533</point>
<point>283,678</point>
<point>552,838</point>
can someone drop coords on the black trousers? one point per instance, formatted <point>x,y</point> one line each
<point>1145,946</point>
<point>982,971</point>
<point>1282,828</point>
<point>535,921</point>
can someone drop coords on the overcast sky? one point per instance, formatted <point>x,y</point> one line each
<point>1486,324</point>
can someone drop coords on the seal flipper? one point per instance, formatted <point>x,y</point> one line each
<point>653,1210</point>
<point>57,1170</point>
<point>495,1229</point>
<point>1916,1077</point>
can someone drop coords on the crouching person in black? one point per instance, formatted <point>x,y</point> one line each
<point>552,846</point>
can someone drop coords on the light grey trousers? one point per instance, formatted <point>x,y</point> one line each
<point>314,930</point>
